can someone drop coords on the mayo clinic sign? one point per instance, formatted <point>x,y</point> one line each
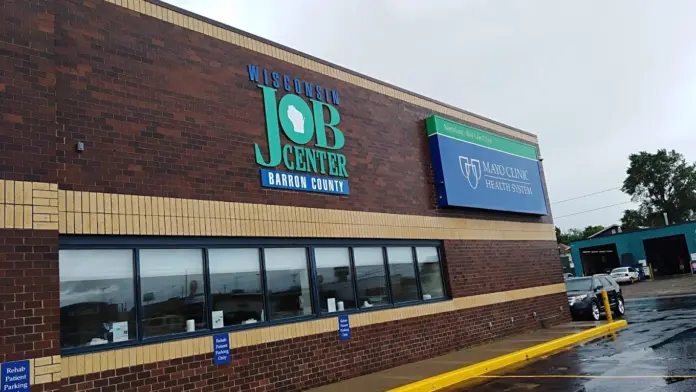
<point>478,169</point>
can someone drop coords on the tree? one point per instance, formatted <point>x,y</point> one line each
<point>589,230</point>
<point>633,219</point>
<point>575,234</point>
<point>660,182</point>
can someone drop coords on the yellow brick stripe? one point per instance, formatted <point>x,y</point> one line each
<point>28,205</point>
<point>41,206</point>
<point>118,214</point>
<point>199,26</point>
<point>115,359</point>
<point>44,370</point>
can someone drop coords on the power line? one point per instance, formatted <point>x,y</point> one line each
<point>583,196</point>
<point>594,209</point>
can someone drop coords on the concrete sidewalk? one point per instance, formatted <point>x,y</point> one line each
<point>412,372</point>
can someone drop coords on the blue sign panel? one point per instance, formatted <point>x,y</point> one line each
<point>15,377</point>
<point>221,349</point>
<point>343,327</point>
<point>470,174</point>
<point>304,182</point>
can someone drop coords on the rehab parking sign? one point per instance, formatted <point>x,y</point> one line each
<point>15,377</point>
<point>221,349</point>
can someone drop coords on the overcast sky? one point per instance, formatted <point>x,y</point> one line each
<point>596,80</point>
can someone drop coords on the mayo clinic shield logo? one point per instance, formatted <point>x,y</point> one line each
<point>471,169</point>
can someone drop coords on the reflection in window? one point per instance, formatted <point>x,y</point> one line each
<point>335,279</point>
<point>371,277</point>
<point>235,286</point>
<point>430,272</point>
<point>97,301</point>
<point>402,273</point>
<point>287,280</point>
<point>173,291</point>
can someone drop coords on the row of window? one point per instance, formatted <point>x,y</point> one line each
<point>122,296</point>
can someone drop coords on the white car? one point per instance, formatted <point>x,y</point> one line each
<point>625,275</point>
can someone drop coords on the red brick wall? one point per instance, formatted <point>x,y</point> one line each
<point>29,294</point>
<point>27,91</point>
<point>303,363</point>
<point>52,387</point>
<point>169,112</point>
<point>480,267</point>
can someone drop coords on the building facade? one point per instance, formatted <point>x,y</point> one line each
<point>659,251</point>
<point>187,207</point>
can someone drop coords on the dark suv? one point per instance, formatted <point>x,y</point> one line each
<point>585,296</point>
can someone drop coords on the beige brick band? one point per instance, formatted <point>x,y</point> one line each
<point>109,214</point>
<point>44,370</point>
<point>41,206</point>
<point>28,205</point>
<point>199,26</point>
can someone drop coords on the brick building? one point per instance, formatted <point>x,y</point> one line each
<point>167,181</point>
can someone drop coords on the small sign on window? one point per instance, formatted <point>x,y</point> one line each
<point>120,331</point>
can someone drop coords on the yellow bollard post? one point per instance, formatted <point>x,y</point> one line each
<point>607,308</point>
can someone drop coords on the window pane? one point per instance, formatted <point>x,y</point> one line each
<point>402,273</point>
<point>235,286</point>
<point>607,283</point>
<point>335,279</point>
<point>287,278</point>
<point>173,291</point>
<point>97,300</point>
<point>371,277</point>
<point>430,272</point>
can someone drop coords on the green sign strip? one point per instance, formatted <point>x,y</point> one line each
<point>437,125</point>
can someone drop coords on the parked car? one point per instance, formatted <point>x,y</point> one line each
<point>625,275</point>
<point>585,297</point>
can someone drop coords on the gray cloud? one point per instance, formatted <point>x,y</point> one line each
<point>596,80</point>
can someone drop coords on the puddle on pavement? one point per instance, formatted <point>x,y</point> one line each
<point>682,341</point>
<point>660,342</point>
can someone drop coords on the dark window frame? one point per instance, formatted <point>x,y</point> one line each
<point>414,265</point>
<point>136,243</point>
<point>140,337</point>
<point>353,280</point>
<point>311,280</point>
<point>262,281</point>
<point>135,265</point>
<point>443,273</point>
<point>387,283</point>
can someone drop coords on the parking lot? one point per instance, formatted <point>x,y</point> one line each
<point>680,285</point>
<point>657,352</point>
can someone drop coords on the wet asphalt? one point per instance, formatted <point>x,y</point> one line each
<point>656,352</point>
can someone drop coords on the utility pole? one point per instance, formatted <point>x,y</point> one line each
<point>666,219</point>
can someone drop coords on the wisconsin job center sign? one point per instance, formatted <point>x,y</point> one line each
<point>478,169</point>
<point>312,120</point>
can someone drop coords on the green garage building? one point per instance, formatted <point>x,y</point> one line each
<point>667,250</point>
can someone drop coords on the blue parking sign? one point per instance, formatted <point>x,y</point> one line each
<point>343,327</point>
<point>15,376</point>
<point>221,349</point>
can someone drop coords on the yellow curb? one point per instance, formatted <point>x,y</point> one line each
<point>454,377</point>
